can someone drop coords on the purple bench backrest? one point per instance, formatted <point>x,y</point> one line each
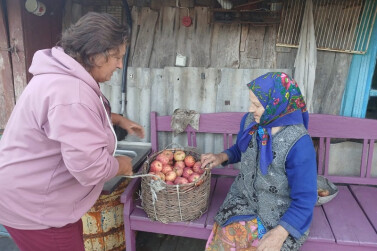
<point>321,126</point>
<point>325,127</point>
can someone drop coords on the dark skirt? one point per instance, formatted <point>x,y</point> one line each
<point>67,238</point>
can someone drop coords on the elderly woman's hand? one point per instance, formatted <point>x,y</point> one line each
<point>129,125</point>
<point>213,159</point>
<point>273,240</point>
<point>133,128</point>
<point>125,165</point>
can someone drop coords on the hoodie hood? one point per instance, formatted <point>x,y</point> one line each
<point>56,61</point>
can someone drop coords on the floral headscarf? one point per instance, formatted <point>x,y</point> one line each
<point>284,105</point>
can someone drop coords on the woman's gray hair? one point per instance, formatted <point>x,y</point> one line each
<point>92,34</point>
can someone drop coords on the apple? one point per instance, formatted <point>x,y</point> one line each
<point>189,161</point>
<point>156,166</point>
<point>163,159</point>
<point>157,175</point>
<point>166,168</point>
<point>180,180</point>
<point>323,192</point>
<point>179,155</point>
<point>178,170</point>
<point>199,182</point>
<point>169,182</point>
<point>197,167</point>
<point>162,176</point>
<point>180,164</point>
<point>170,176</point>
<point>193,177</point>
<point>154,177</point>
<point>168,154</point>
<point>187,171</point>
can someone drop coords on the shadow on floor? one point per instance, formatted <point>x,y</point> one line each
<point>144,242</point>
<point>163,242</point>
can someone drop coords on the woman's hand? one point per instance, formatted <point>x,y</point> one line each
<point>213,159</point>
<point>125,165</point>
<point>129,125</point>
<point>273,240</point>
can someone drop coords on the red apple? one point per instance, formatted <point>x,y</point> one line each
<point>189,161</point>
<point>180,180</point>
<point>162,176</point>
<point>180,164</point>
<point>187,171</point>
<point>157,176</point>
<point>156,166</point>
<point>169,182</point>
<point>199,182</point>
<point>166,168</point>
<point>171,162</point>
<point>163,159</point>
<point>170,176</point>
<point>197,167</point>
<point>323,192</point>
<point>193,177</point>
<point>178,170</point>
<point>153,177</point>
<point>179,155</point>
<point>168,154</point>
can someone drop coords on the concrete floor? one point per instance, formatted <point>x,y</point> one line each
<point>145,242</point>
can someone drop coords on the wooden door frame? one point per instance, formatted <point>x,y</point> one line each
<point>7,95</point>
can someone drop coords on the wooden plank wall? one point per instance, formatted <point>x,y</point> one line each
<point>201,89</point>
<point>158,36</point>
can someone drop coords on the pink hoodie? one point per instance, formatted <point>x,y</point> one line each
<point>56,151</point>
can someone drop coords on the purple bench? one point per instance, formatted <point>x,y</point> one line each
<point>348,222</point>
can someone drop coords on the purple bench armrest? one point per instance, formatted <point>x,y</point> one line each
<point>127,196</point>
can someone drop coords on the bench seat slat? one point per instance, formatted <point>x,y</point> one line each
<point>366,196</point>
<point>347,220</point>
<point>320,229</point>
<point>222,188</point>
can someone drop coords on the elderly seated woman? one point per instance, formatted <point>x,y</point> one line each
<point>270,204</point>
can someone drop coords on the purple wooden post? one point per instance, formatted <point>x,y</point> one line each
<point>363,158</point>
<point>129,204</point>
<point>189,143</point>
<point>154,134</point>
<point>193,133</point>
<point>370,157</point>
<point>327,156</point>
<point>225,141</point>
<point>230,140</point>
<point>321,150</point>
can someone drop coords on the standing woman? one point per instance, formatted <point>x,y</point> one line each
<point>58,147</point>
<point>270,205</point>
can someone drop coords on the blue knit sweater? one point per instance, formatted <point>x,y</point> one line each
<point>303,184</point>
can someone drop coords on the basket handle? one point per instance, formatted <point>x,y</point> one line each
<point>139,175</point>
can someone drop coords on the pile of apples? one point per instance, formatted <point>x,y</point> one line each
<point>176,167</point>
<point>323,192</point>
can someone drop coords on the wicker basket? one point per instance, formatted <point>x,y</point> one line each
<point>174,203</point>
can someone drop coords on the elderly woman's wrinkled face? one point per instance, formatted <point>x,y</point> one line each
<point>255,107</point>
<point>105,67</point>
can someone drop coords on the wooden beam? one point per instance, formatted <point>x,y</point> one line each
<point>16,38</point>
<point>6,81</point>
